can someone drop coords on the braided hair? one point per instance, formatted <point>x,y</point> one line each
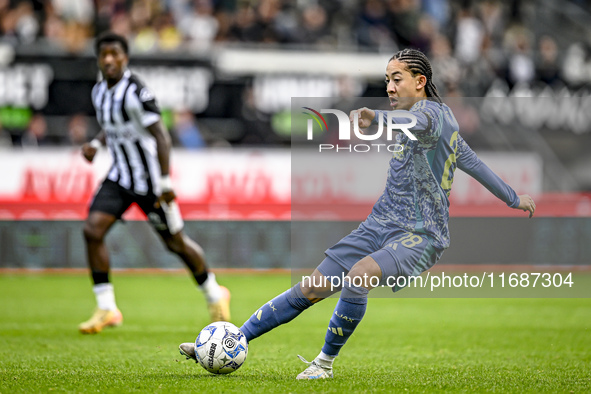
<point>417,63</point>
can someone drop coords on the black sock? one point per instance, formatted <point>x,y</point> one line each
<point>100,277</point>
<point>201,277</point>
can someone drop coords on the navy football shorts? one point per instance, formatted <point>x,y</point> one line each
<point>398,252</point>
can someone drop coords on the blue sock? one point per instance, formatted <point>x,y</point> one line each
<point>281,309</point>
<point>347,315</point>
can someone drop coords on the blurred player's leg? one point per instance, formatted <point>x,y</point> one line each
<point>100,319</point>
<point>217,297</point>
<point>106,314</point>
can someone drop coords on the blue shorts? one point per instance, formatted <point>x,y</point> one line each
<point>397,252</point>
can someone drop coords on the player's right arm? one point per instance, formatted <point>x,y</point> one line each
<point>425,129</point>
<point>89,149</point>
<point>365,117</point>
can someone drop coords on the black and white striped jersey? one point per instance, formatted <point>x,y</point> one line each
<point>123,112</point>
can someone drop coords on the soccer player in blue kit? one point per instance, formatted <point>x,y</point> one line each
<point>407,230</point>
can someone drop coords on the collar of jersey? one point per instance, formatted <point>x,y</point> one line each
<point>125,75</point>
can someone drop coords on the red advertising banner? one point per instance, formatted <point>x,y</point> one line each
<point>259,185</point>
<point>220,185</point>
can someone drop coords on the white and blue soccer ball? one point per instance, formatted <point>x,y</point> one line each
<point>221,348</point>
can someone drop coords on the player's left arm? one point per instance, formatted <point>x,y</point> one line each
<point>163,146</point>
<point>526,203</point>
<point>470,163</point>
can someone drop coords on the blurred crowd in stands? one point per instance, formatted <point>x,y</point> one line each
<point>486,36</point>
<point>470,43</point>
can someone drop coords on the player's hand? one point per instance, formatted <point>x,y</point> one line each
<point>88,151</point>
<point>526,203</point>
<point>165,198</point>
<point>364,117</point>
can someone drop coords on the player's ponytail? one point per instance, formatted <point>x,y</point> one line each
<point>417,63</point>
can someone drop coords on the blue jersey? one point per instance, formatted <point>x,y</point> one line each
<point>420,177</point>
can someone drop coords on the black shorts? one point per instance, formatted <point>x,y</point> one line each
<point>114,199</point>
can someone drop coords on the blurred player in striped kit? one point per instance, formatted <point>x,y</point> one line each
<point>407,230</point>
<point>140,147</point>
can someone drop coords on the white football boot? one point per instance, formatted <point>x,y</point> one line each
<point>187,349</point>
<point>314,370</point>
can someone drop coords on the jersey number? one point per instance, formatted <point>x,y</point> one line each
<point>410,240</point>
<point>451,160</point>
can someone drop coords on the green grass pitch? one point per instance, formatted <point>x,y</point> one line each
<point>403,344</point>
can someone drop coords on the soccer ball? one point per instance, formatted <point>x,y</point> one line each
<point>221,348</point>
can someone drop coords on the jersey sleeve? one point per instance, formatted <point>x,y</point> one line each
<point>95,96</point>
<point>140,102</point>
<point>470,163</point>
